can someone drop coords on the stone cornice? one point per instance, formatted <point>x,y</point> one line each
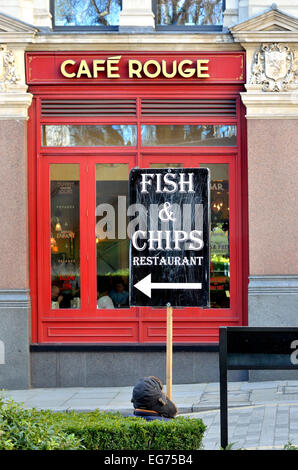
<point>256,37</point>
<point>14,31</point>
<point>16,38</point>
<point>14,298</point>
<point>125,41</point>
<point>271,26</point>
<point>273,285</point>
<point>11,24</point>
<point>14,105</point>
<point>270,105</point>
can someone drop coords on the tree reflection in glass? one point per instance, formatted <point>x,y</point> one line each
<point>189,135</point>
<point>189,12</point>
<point>87,12</point>
<point>89,135</point>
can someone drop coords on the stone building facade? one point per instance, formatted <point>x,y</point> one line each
<point>268,35</point>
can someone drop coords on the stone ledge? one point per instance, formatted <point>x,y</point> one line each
<point>273,285</point>
<point>14,105</point>
<point>270,105</point>
<point>14,298</point>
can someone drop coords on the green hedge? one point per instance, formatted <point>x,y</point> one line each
<point>111,431</point>
<point>32,429</point>
<point>22,429</point>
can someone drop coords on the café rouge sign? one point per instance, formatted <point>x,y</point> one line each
<point>151,68</point>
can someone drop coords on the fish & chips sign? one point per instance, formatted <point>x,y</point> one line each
<point>169,248</point>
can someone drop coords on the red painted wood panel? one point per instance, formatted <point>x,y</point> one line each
<point>45,67</point>
<point>136,324</point>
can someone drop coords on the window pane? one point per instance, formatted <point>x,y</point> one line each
<point>87,13</point>
<point>65,236</point>
<point>219,240</point>
<point>89,136</point>
<point>185,13</point>
<point>112,244</point>
<point>189,135</point>
<point>166,165</point>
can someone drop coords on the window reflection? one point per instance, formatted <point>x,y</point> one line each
<point>65,236</point>
<point>188,135</point>
<point>166,165</point>
<point>89,136</point>
<point>87,13</point>
<point>219,237</point>
<point>112,244</point>
<point>185,13</point>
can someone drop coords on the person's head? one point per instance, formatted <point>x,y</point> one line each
<point>55,292</point>
<point>119,285</point>
<point>148,394</point>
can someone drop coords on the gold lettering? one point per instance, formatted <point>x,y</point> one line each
<point>63,68</point>
<point>112,68</point>
<point>187,72</point>
<point>164,69</point>
<point>134,71</point>
<point>97,67</point>
<point>200,68</point>
<point>152,74</point>
<point>84,69</point>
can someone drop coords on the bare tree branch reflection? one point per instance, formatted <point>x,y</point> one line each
<point>189,12</point>
<point>87,13</point>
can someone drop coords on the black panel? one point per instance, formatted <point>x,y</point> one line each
<point>177,272</point>
<point>252,342</point>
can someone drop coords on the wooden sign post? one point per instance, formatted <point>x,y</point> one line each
<point>169,354</point>
<point>169,250</point>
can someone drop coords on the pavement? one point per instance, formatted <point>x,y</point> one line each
<point>262,415</point>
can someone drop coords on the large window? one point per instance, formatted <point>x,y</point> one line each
<point>110,236</point>
<point>219,235</point>
<point>69,14</point>
<point>112,244</point>
<point>177,14</point>
<point>65,236</point>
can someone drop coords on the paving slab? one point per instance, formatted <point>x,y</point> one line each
<point>271,436</point>
<point>262,385</point>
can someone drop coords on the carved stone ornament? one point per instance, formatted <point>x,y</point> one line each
<point>275,68</point>
<point>8,70</point>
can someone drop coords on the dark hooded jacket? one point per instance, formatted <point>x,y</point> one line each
<point>148,396</point>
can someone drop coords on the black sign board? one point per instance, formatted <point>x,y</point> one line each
<point>169,237</point>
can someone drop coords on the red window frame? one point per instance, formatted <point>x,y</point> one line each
<point>132,325</point>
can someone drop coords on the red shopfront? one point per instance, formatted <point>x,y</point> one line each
<point>95,116</point>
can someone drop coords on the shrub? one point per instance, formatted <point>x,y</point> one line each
<point>108,431</point>
<point>22,429</point>
<point>31,429</point>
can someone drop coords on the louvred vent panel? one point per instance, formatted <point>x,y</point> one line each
<point>88,107</point>
<point>218,107</point>
<point>149,107</point>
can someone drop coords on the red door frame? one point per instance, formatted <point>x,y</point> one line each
<point>138,322</point>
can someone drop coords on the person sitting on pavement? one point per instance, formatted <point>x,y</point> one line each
<point>150,402</point>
